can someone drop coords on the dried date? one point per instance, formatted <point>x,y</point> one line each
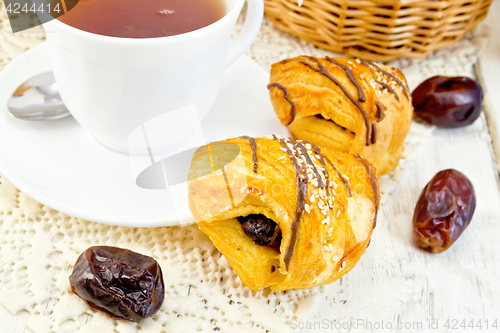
<point>443,211</point>
<point>261,230</point>
<point>448,101</point>
<point>122,283</point>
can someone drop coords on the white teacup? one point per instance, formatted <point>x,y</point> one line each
<point>112,86</point>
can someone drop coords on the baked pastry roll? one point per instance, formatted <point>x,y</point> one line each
<point>350,105</point>
<point>284,213</point>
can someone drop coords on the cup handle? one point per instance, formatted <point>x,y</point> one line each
<point>253,21</point>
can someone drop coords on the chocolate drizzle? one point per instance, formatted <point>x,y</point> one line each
<point>375,188</point>
<point>340,176</point>
<point>389,88</point>
<point>374,134</point>
<point>309,162</point>
<point>285,91</point>
<point>253,145</point>
<point>393,77</point>
<point>380,111</point>
<point>317,151</point>
<point>350,75</point>
<point>367,64</point>
<point>300,172</point>
<point>301,160</point>
<point>322,159</point>
<point>322,70</point>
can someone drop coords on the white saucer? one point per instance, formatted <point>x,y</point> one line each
<point>60,165</point>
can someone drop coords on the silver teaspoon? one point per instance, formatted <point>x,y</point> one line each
<point>38,99</point>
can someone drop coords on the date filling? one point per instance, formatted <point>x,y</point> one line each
<point>261,230</point>
<point>345,129</point>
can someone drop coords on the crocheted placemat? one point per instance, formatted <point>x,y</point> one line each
<point>39,245</point>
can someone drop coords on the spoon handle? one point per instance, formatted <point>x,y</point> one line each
<point>37,108</point>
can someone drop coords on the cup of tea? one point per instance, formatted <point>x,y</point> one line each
<point>121,63</point>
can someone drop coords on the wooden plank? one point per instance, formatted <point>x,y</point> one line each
<point>488,74</point>
<point>13,324</point>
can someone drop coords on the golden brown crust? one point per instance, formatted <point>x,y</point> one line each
<point>344,126</point>
<point>333,231</point>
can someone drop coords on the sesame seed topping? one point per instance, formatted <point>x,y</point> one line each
<point>308,210</point>
<point>338,212</point>
<point>335,258</point>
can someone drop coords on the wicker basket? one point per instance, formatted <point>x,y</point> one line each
<point>378,29</point>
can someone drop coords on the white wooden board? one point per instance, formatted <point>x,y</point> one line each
<point>488,71</point>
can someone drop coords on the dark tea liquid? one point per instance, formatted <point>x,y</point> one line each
<point>143,18</point>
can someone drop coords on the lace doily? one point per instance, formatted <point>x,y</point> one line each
<point>12,45</point>
<point>40,245</point>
